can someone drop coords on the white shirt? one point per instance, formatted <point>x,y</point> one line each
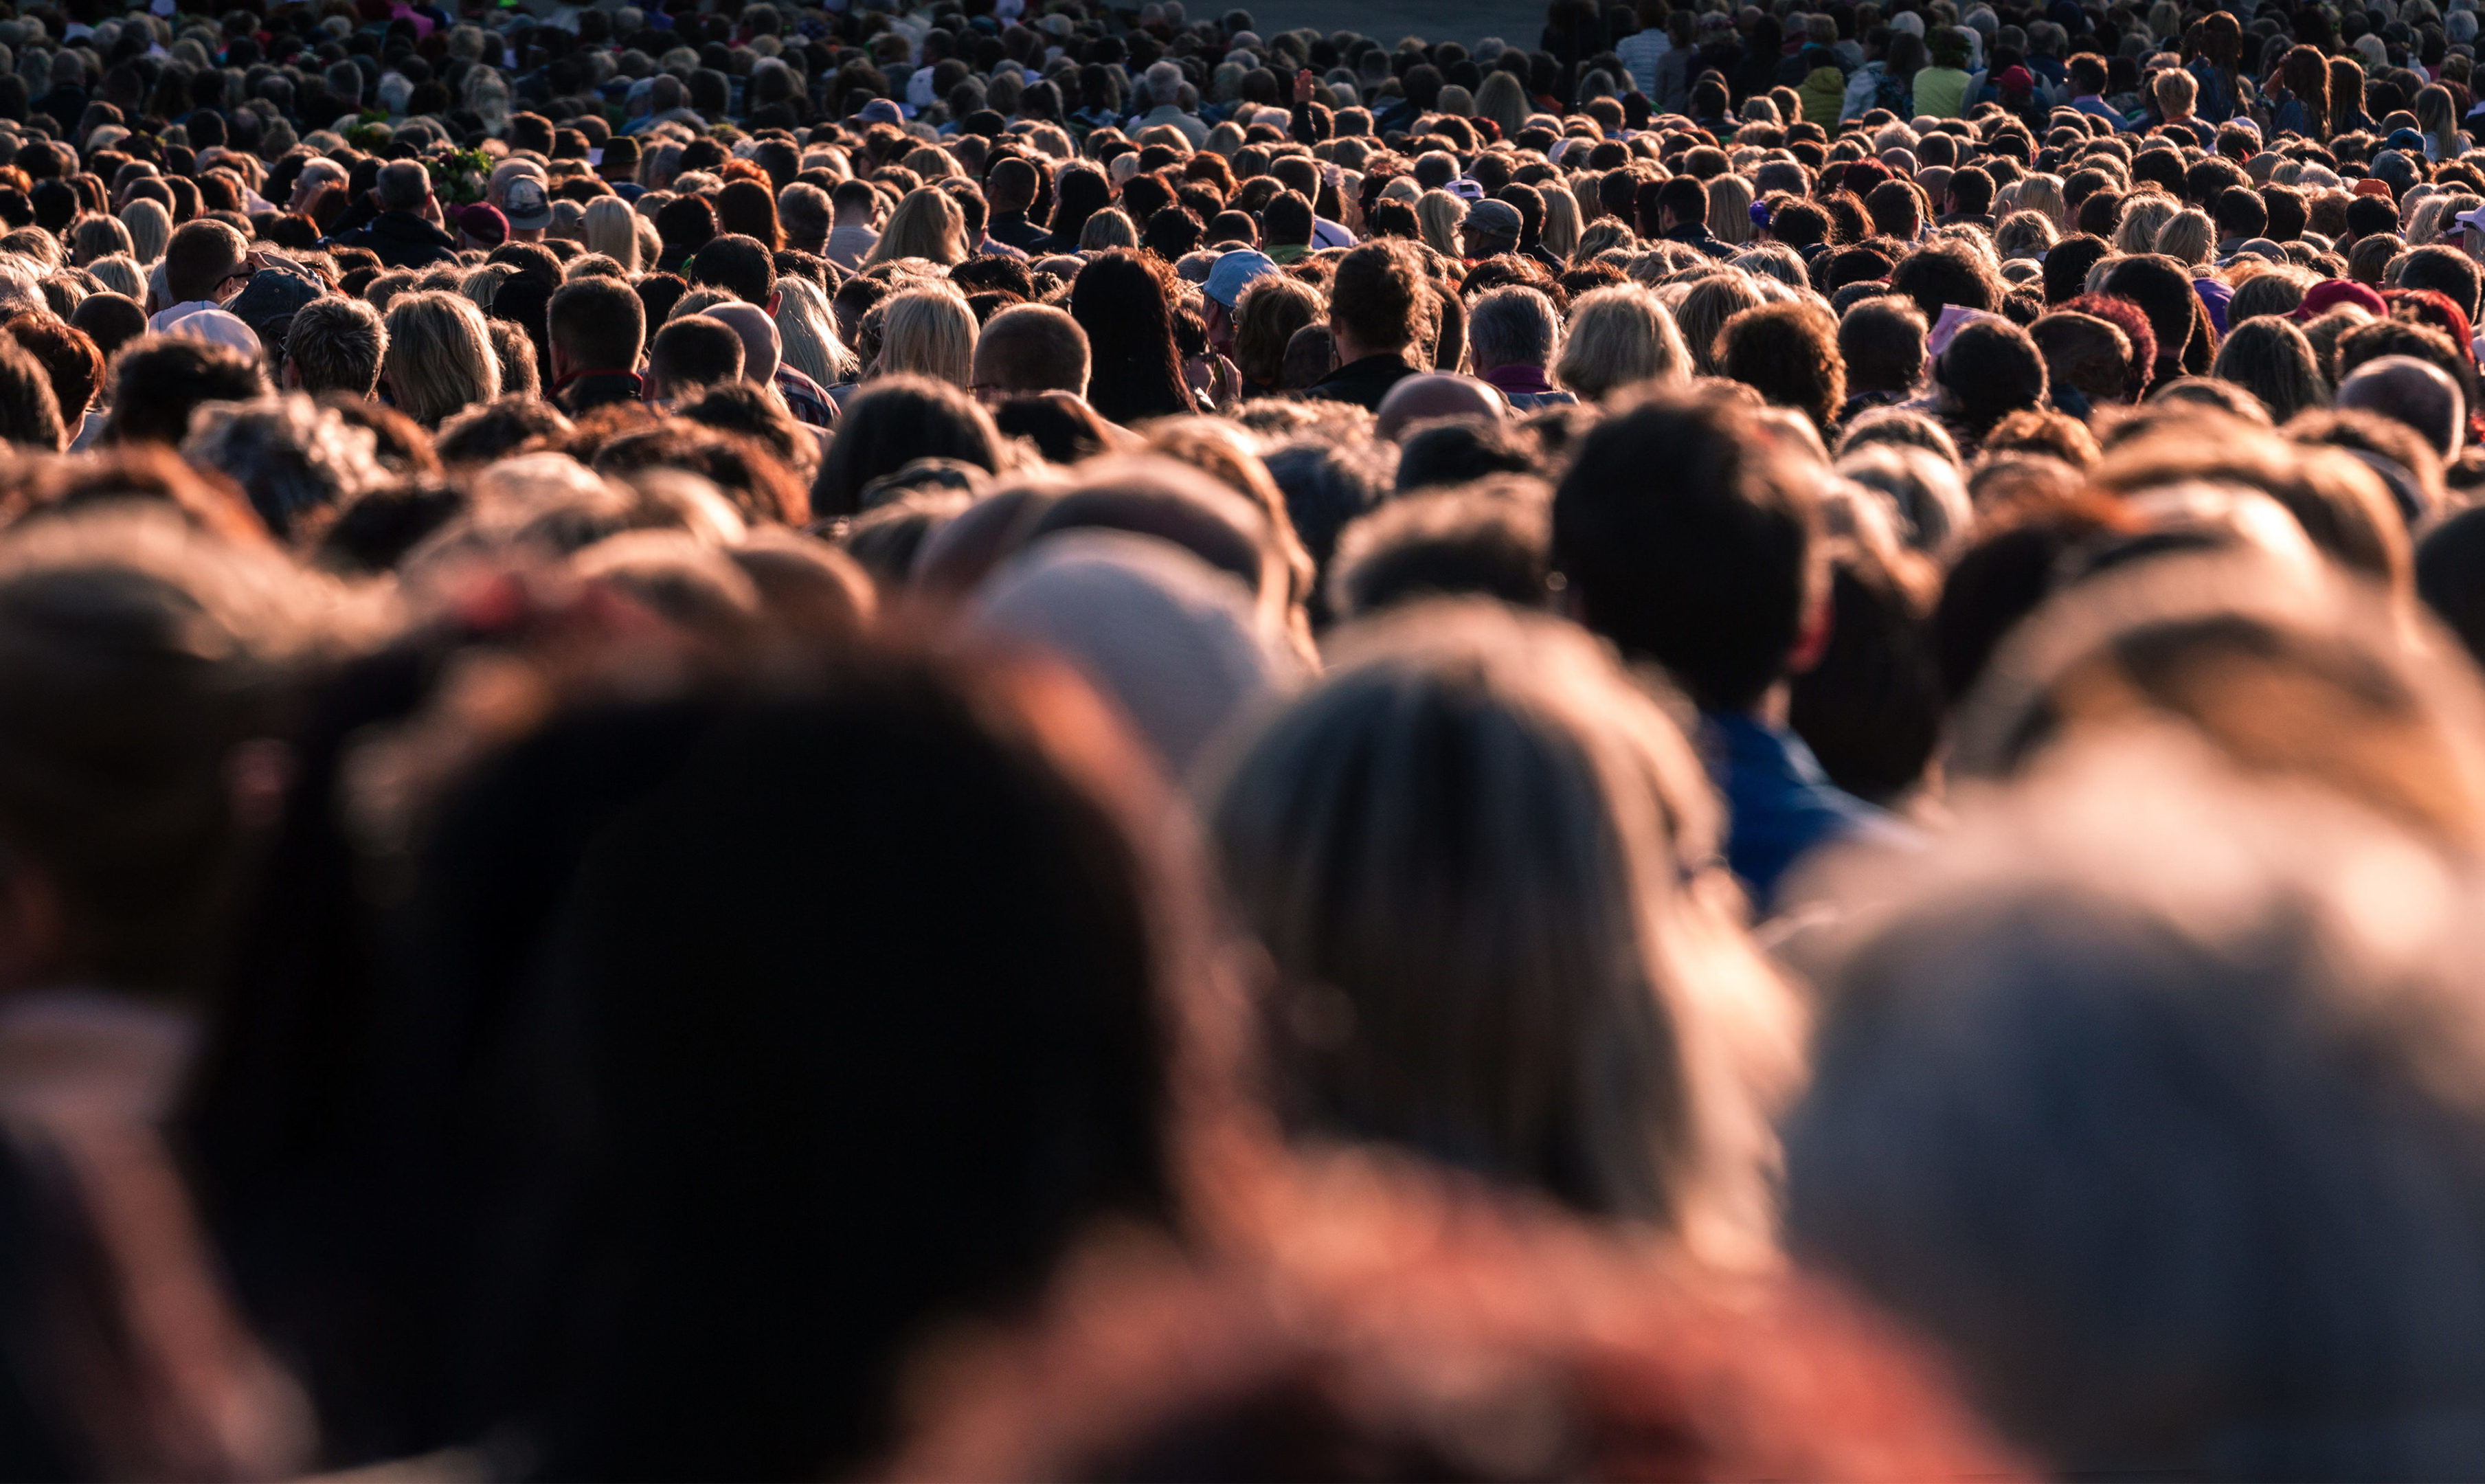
<point>164,320</point>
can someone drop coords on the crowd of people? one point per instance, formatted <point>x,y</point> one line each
<point>1028,739</point>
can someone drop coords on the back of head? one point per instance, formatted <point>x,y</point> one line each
<point>728,1116</point>
<point>1030,348</point>
<point>199,258</point>
<point>1685,543</point>
<point>742,267</point>
<point>1477,949</point>
<point>2148,1124</point>
<point>2413,391</point>
<point>1378,296</point>
<point>692,352</point>
<point>599,324</point>
<point>136,653</point>
<point>337,344</point>
<point>158,380</point>
<point>890,423</point>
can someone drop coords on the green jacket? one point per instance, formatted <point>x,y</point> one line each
<point>1823,94</point>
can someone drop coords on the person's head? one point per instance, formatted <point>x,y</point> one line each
<point>1685,541</point>
<point>2270,358</point>
<point>335,344</point>
<point>2447,271</point>
<point>1027,349</point>
<point>1620,336</point>
<point>1882,342</point>
<point>291,456</point>
<point>1513,326</point>
<point>2176,90</point>
<point>2413,391</point>
<point>1038,1062</point>
<point>612,228</point>
<point>138,655</point>
<point>595,324</point>
<point>740,265</point>
<point>69,360</point>
<point>30,410</point>
<point>927,332</point>
<point>692,353</point>
<point>402,185</point>
<point>1788,353</point>
<point>203,262</point>
<point>1990,370</point>
<point>889,424</point>
<point>927,224</point>
<point>159,379</point>
<point>439,358</point>
<point>2147,1126</point>
<point>1543,935</point>
<point>1490,538</point>
<point>1267,316</point>
<point>1378,300</point>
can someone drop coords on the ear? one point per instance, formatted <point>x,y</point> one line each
<point>1812,638</point>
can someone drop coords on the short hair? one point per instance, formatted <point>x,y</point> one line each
<point>1685,541</point>
<point>805,211</point>
<point>1380,295</point>
<point>158,380</point>
<point>499,429</point>
<point>1488,539</point>
<point>1620,336</point>
<point>742,267</point>
<point>440,358</point>
<point>2413,391</point>
<point>401,185</point>
<point>694,350</point>
<point>1032,348</point>
<point>1882,342</point>
<point>337,344</point>
<point>2240,212</point>
<point>2446,270</point>
<point>1513,326</point>
<point>202,255</point>
<point>599,324</point>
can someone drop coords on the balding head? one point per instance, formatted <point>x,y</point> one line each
<point>1436,394</point>
<point>2416,393</point>
<point>762,348</point>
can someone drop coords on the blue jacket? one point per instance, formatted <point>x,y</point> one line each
<point>1780,806</point>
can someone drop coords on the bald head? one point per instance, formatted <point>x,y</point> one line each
<point>761,349</point>
<point>1437,395</point>
<point>2416,393</point>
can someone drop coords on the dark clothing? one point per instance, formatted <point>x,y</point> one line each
<point>1552,261</point>
<point>401,239</point>
<point>584,392</point>
<point>1780,806</point>
<point>1014,229</point>
<point>1362,383</point>
<point>1697,235</point>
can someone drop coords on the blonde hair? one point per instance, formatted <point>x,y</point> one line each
<point>1558,996</point>
<point>150,227</point>
<point>806,332</point>
<point>927,332</point>
<point>927,224</point>
<point>2143,216</point>
<point>1729,210</point>
<point>2188,237</point>
<point>1560,233</point>
<point>1503,100</point>
<point>612,229</point>
<point>1107,229</point>
<point>1618,337</point>
<point>1704,311</point>
<point>2024,233</point>
<point>99,236</point>
<point>120,274</point>
<point>482,283</point>
<point>440,357</point>
<point>1438,214</point>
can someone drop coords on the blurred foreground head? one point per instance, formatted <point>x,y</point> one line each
<point>865,985</point>
<point>1485,867</point>
<point>2153,1097</point>
<point>1369,1322</point>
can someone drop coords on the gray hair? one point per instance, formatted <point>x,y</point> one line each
<point>290,454</point>
<point>403,186</point>
<point>1164,82</point>
<point>1513,326</point>
<point>2150,1125</point>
